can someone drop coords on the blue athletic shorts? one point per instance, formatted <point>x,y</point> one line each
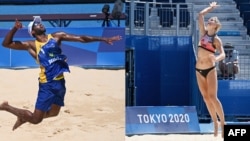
<point>50,93</point>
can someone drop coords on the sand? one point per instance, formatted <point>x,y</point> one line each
<point>94,108</point>
<point>174,137</point>
<point>93,111</point>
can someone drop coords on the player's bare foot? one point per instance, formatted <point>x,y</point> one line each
<point>18,123</point>
<point>221,125</point>
<point>222,129</point>
<point>4,105</point>
<point>215,129</point>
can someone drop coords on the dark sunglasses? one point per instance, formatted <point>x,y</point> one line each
<point>35,24</point>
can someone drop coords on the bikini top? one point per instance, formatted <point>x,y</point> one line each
<point>206,43</point>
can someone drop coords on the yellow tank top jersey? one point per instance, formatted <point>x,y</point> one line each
<point>51,60</point>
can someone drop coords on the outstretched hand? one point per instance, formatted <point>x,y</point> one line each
<point>213,4</point>
<point>112,39</point>
<point>18,24</point>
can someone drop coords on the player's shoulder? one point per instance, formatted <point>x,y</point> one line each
<point>30,42</point>
<point>58,33</point>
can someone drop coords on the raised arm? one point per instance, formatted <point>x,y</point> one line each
<point>8,40</point>
<point>62,36</point>
<point>219,46</point>
<point>201,16</point>
<point>18,45</point>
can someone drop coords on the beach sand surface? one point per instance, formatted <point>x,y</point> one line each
<point>93,111</point>
<point>174,137</point>
<point>94,108</point>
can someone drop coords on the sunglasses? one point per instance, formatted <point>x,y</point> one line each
<point>35,24</point>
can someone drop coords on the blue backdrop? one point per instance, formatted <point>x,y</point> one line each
<point>162,69</point>
<point>96,54</point>
<point>164,75</point>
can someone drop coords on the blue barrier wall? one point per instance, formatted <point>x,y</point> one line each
<point>161,120</point>
<point>96,54</point>
<point>164,75</point>
<point>234,96</point>
<point>162,69</point>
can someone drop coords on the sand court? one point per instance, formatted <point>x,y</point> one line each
<point>94,106</point>
<point>175,137</point>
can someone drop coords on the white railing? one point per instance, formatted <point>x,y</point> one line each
<point>161,19</point>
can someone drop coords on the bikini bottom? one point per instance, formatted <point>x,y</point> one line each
<point>204,72</point>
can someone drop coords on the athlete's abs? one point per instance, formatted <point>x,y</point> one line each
<point>204,59</point>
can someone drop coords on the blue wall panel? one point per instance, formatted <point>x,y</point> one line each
<point>234,96</point>
<point>5,56</point>
<point>95,54</point>
<point>165,76</point>
<point>161,70</point>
